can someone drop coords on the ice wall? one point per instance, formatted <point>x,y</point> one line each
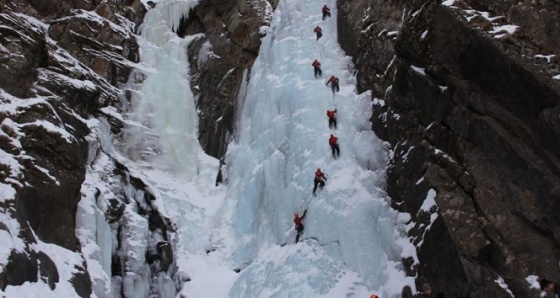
<point>283,138</point>
<point>165,133</point>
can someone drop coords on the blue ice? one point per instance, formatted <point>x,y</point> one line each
<point>348,248</point>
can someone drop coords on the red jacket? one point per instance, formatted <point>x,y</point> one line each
<point>333,80</point>
<point>331,114</point>
<point>316,64</point>
<point>333,141</point>
<point>297,220</point>
<point>326,9</point>
<point>317,29</point>
<point>319,175</point>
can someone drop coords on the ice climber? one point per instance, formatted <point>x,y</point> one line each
<point>319,32</point>
<point>320,179</point>
<point>299,226</point>
<point>326,12</point>
<point>333,142</point>
<point>332,118</point>
<point>317,68</point>
<point>334,84</point>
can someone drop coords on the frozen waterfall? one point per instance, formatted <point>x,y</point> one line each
<point>165,132</point>
<point>349,242</point>
<point>349,248</point>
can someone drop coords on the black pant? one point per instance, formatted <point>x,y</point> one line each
<point>318,71</point>
<point>336,149</point>
<point>326,14</point>
<point>299,230</point>
<point>332,122</point>
<point>317,182</point>
<point>334,86</point>
<point>319,34</point>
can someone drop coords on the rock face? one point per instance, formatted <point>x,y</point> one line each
<point>470,107</point>
<point>63,63</point>
<point>220,59</point>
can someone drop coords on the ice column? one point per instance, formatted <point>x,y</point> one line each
<point>164,106</point>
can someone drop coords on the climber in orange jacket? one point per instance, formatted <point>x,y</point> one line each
<point>298,222</point>
<point>319,180</point>
<point>326,12</point>
<point>332,118</point>
<point>333,142</point>
<point>317,68</point>
<point>318,31</point>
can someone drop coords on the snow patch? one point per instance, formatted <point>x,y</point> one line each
<point>509,29</point>
<point>205,53</point>
<point>430,201</point>
<point>392,33</point>
<point>533,281</point>
<point>500,281</point>
<point>419,70</point>
<point>547,57</point>
<point>448,2</point>
<point>378,102</point>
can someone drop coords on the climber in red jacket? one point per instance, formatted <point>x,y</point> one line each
<point>332,118</point>
<point>299,226</point>
<point>334,84</point>
<point>333,142</point>
<point>319,32</point>
<point>317,68</point>
<point>326,12</point>
<point>320,179</point>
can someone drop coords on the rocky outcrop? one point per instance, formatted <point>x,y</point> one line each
<point>63,61</point>
<point>220,59</point>
<point>466,95</point>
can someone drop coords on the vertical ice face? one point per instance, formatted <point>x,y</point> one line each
<point>350,230</point>
<point>164,105</point>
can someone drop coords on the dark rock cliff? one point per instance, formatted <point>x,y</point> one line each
<point>228,46</point>
<point>62,63</point>
<point>471,109</point>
